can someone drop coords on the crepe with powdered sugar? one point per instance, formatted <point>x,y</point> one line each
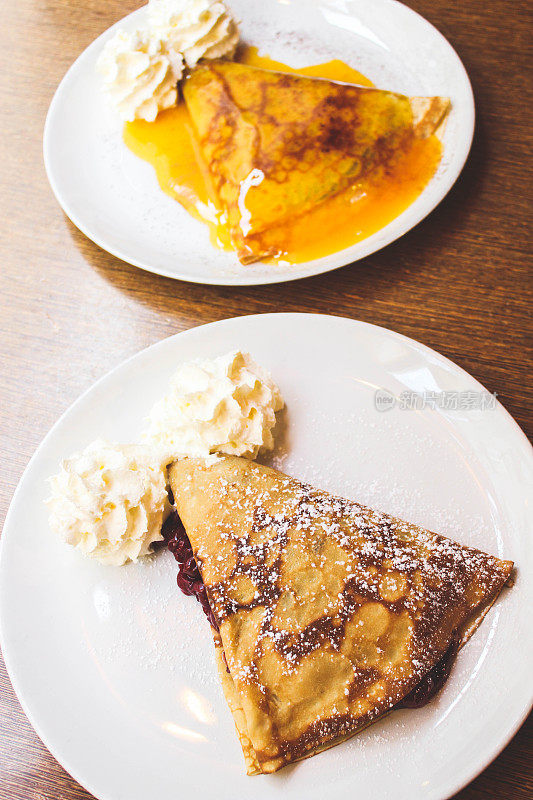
<point>329,613</point>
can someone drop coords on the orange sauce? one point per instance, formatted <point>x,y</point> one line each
<point>169,145</point>
<point>332,70</point>
<point>358,212</point>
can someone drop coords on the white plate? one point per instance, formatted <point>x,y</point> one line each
<point>115,667</point>
<point>113,197</point>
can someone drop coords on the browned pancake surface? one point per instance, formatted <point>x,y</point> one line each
<point>329,612</point>
<point>277,145</point>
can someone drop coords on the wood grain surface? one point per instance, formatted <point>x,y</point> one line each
<point>460,282</point>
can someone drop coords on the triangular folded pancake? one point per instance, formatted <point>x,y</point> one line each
<point>277,145</point>
<point>329,613</point>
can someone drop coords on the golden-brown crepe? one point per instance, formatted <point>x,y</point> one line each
<point>329,613</point>
<point>277,145</point>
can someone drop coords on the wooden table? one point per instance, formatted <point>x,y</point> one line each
<point>459,283</point>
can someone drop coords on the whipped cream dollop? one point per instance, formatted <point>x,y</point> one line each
<point>196,28</point>
<point>141,69</point>
<point>110,501</point>
<point>140,74</point>
<point>226,405</point>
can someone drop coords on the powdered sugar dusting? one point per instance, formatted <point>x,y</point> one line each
<point>280,529</point>
<point>380,444</point>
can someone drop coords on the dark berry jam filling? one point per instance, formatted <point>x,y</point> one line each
<point>189,579</point>
<point>433,681</point>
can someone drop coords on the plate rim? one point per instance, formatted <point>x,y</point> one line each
<point>454,785</point>
<point>295,272</point>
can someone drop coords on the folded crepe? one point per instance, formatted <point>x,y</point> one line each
<point>329,613</point>
<point>278,145</point>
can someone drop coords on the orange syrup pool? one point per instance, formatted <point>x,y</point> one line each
<point>170,146</point>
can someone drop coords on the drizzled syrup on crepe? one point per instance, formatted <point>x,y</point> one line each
<point>340,221</point>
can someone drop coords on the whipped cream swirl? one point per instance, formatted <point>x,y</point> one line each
<point>225,405</point>
<point>140,74</point>
<point>141,69</point>
<point>196,28</point>
<point>110,501</point>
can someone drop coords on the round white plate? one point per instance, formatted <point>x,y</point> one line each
<point>113,196</point>
<point>115,667</point>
